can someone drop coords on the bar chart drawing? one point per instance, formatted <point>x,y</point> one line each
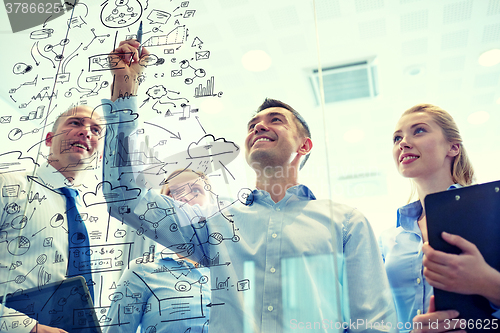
<point>38,114</point>
<point>147,257</point>
<point>207,91</point>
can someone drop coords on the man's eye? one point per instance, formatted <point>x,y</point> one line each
<point>276,119</point>
<point>396,138</point>
<point>251,127</point>
<point>96,130</point>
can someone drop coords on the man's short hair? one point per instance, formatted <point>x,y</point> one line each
<point>66,114</point>
<point>299,120</point>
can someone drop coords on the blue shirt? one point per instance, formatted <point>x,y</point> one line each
<point>169,295</point>
<point>275,267</point>
<point>402,253</point>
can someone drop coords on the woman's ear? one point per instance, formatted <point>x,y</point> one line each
<point>454,150</point>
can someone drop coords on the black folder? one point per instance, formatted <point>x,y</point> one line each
<point>472,212</point>
<point>65,304</point>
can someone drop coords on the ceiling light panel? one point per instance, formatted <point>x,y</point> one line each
<point>486,80</point>
<point>244,25</point>
<point>284,17</point>
<point>457,12</point>
<point>450,86</point>
<point>452,64</point>
<point>493,7</point>
<point>327,9</point>
<point>414,47</point>
<point>455,40</point>
<point>407,1</point>
<point>368,5</point>
<point>372,29</point>
<point>233,3</point>
<point>483,99</point>
<point>491,33</point>
<point>414,21</point>
<point>293,44</point>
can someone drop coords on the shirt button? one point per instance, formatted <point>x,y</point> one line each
<point>419,312</point>
<point>270,308</point>
<point>418,280</point>
<point>274,235</point>
<point>273,270</point>
<point>277,209</point>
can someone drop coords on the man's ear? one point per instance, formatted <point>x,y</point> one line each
<point>306,147</point>
<point>454,150</point>
<point>48,139</point>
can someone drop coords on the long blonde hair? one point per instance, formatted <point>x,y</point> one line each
<point>461,168</point>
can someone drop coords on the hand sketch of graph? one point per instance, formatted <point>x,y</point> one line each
<point>207,91</point>
<point>175,36</point>
<point>133,158</point>
<point>38,114</point>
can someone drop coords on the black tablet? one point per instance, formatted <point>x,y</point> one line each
<point>65,304</point>
<point>472,212</point>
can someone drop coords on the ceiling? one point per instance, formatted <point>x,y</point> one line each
<point>351,160</point>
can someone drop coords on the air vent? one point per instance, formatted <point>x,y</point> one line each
<point>346,82</point>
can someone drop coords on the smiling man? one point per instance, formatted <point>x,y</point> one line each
<point>44,244</point>
<point>280,261</point>
<point>278,137</point>
<point>75,140</point>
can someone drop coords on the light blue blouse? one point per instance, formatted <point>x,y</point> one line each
<point>402,253</point>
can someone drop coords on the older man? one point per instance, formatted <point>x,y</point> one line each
<point>35,219</point>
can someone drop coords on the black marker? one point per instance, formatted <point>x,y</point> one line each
<point>139,38</point>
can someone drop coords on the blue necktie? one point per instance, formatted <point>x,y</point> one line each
<point>78,241</point>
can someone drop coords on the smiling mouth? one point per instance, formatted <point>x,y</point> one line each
<point>406,158</point>
<point>79,145</point>
<point>263,139</point>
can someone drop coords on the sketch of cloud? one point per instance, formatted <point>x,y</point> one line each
<point>126,115</point>
<point>149,60</point>
<point>207,155</point>
<point>208,146</point>
<point>13,161</point>
<point>110,194</point>
<point>157,92</point>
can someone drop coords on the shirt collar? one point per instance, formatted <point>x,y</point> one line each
<point>301,192</point>
<point>49,176</point>
<point>408,214</point>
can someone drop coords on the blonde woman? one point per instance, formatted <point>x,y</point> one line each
<point>428,149</point>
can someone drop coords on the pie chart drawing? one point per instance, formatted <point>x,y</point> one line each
<point>19,222</point>
<point>78,238</point>
<point>57,220</point>
<point>18,246</point>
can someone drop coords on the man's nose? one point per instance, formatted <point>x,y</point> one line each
<point>84,131</point>
<point>260,127</point>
